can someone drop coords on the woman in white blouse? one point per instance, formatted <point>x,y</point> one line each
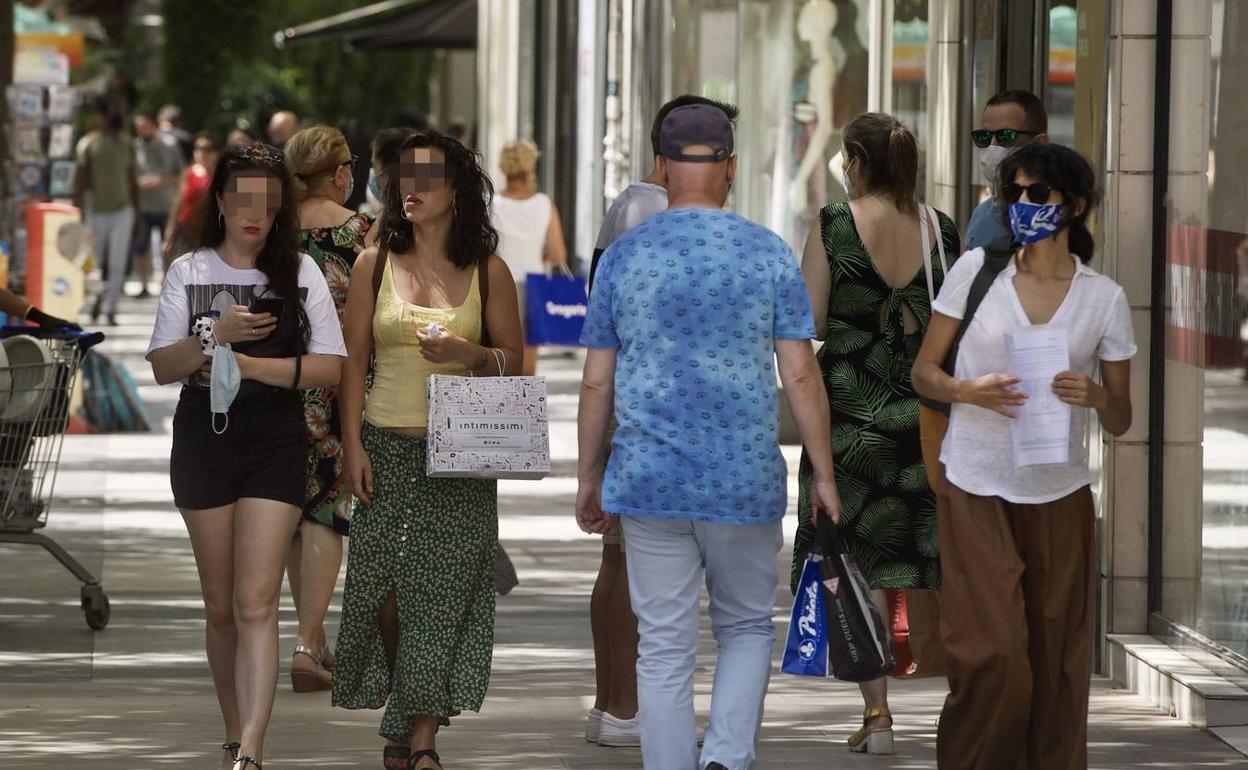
<point>1017,539</point>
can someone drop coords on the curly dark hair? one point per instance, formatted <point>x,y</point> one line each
<point>472,238</point>
<point>1070,174</point>
<point>280,257</point>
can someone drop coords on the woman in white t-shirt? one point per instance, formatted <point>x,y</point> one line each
<point>244,322</point>
<point>1017,538</point>
<point>530,234</point>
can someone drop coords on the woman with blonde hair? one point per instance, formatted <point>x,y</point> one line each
<point>530,234</point>
<point>321,163</point>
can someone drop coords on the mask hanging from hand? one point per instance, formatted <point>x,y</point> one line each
<point>223,385</point>
<point>1032,222</point>
<point>990,159</point>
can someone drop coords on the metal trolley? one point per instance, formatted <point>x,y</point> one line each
<point>36,389</point>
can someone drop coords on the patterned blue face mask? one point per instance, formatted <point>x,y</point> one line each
<point>1032,222</point>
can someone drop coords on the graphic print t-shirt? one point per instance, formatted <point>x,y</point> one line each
<point>695,299</point>
<point>200,282</point>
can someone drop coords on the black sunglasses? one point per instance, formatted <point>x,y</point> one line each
<point>1037,192</point>
<point>1006,137</point>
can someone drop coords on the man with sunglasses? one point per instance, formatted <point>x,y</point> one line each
<point>1011,119</point>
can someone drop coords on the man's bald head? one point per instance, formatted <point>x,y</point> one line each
<point>282,126</point>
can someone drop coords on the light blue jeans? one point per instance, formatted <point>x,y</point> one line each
<point>666,559</point>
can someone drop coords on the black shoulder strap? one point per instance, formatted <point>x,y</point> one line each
<point>483,285</point>
<point>996,256</point>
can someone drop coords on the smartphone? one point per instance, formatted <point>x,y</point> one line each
<point>271,305</point>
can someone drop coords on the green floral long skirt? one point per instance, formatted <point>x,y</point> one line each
<point>432,542</point>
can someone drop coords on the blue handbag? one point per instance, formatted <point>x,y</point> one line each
<point>556,309</point>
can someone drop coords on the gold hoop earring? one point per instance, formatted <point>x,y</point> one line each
<point>221,219</point>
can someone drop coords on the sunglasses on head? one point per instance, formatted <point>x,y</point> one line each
<point>1006,137</point>
<point>1037,192</point>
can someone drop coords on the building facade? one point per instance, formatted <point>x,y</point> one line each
<point>1154,92</point>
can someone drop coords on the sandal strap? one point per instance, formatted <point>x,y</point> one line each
<point>303,649</point>
<point>419,755</point>
<point>394,752</point>
<point>877,711</point>
<point>242,762</point>
<point>232,748</point>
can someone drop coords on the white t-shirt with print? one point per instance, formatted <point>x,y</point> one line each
<point>977,451</point>
<point>201,281</point>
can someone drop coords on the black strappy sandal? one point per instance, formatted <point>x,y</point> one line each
<point>242,762</point>
<point>232,750</point>
<point>419,755</point>
<point>401,753</point>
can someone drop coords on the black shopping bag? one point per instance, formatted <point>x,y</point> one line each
<point>859,647</point>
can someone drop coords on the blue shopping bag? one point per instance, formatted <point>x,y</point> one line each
<point>556,309</point>
<point>806,649</point>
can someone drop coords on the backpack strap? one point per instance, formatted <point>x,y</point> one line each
<point>996,256</point>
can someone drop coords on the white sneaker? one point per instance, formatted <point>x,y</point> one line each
<point>593,726</point>
<point>618,733</point>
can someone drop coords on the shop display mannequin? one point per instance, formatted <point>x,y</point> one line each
<point>814,27</point>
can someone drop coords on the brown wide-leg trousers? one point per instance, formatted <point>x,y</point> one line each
<point>1016,599</point>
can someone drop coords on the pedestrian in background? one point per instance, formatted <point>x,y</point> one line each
<point>688,314</point>
<point>169,120</point>
<point>1018,544</point>
<point>612,721</point>
<point>384,164</point>
<point>106,189</point>
<point>282,126</point>
<point>158,166</point>
<point>321,166</point>
<point>530,234</point>
<point>870,267</point>
<point>417,632</point>
<point>191,188</point>
<point>1011,119</point>
<point>245,299</point>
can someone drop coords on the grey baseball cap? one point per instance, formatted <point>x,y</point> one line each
<point>696,124</point>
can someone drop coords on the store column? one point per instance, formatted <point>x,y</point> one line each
<point>944,106</point>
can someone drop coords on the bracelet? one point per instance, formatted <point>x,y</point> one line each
<point>203,328</point>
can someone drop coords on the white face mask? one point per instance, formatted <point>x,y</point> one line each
<point>223,385</point>
<point>990,159</point>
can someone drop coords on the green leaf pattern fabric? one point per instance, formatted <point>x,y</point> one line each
<point>888,512</point>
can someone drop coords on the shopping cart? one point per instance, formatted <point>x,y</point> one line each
<point>36,389</point>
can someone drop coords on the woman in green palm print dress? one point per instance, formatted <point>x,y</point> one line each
<point>873,313</point>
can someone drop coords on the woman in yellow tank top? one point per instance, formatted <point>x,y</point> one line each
<point>418,615</point>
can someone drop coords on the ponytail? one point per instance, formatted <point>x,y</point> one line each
<point>1081,243</point>
<point>888,155</point>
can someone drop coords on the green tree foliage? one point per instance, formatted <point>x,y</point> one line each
<point>221,67</point>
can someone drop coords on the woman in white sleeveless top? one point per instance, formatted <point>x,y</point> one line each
<point>530,235</point>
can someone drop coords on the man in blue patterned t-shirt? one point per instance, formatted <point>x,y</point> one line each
<point>689,312</point>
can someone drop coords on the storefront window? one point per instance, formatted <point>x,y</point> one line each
<point>804,72</point>
<point>1060,91</point>
<point>1205,542</point>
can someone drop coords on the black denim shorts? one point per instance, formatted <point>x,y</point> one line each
<point>263,452</point>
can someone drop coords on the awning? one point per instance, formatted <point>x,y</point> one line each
<point>393,24</point>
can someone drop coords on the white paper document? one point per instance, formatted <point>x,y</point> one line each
<point>1041,428</point>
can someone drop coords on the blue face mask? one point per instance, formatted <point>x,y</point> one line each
<point>223,385</point>
<point>373,186</point>
<point>350,188</point>
<point>1032,222</point>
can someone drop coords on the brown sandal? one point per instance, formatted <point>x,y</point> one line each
<point>316,679</point>
<point>395,757</point>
